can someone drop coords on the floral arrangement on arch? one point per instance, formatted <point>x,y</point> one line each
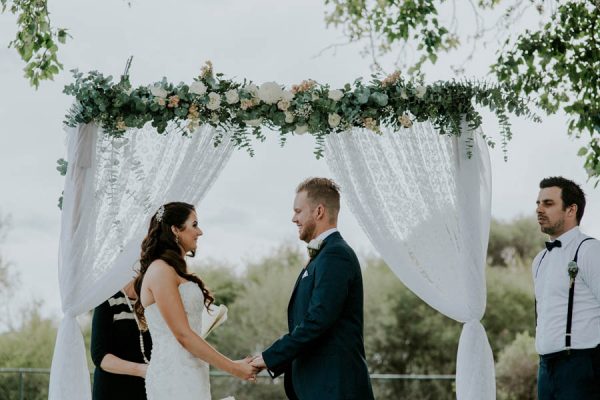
<point>308,107</point>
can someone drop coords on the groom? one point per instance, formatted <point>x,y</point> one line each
<point>323,354</point>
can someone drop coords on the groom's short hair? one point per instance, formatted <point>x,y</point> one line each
<point>322,191</point>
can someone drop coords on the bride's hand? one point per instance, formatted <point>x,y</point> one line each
<point>244,370</point>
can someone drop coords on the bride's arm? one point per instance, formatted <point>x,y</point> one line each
<point>163,282</point>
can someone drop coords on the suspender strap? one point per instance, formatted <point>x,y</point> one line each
<point>536,272</point>
<point>571,294</point>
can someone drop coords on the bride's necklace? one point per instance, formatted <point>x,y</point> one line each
<point>137,322</point>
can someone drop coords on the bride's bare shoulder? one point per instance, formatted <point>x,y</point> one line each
<point>160,270</point>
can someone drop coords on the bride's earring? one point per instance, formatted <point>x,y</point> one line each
<point>177,240</point>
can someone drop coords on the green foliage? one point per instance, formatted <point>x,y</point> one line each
<point>510,305</point>
<point>36,40</point>
<point>560,65</point>
<point>244,109</point>
<point>390,21</point>
<point>516,370</point>
<point>556,66</point>
<point>514,243</point>
<point>29,346</point>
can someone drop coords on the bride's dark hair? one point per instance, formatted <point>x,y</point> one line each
<point>160,244</point>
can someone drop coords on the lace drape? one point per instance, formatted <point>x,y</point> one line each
<point>112,188</point>
<point>425,206</point>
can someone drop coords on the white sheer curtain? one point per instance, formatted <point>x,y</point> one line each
<point>112,188</point>
<point>425,206</point>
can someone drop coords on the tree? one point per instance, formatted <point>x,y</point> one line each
<point>514,242</point>
<point>36,40</point>
<point>556,66</point>
<point>29,346</point>
<point>9,281</point>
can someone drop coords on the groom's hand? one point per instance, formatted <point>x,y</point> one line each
<point>258,362</point>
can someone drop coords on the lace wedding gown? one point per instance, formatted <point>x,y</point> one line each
<point>174,373</point>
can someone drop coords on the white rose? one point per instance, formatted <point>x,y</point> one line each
<point>158,91</point>
<point>287,95</point>
<point>334,120</point>
<point>252,89</point>
<point>270,92</point>
<point>253,122</point>
<point>283,104</point>
<point>289,117</point>
<point>420,91</point>
<point>403,94</point>
<point>301,129</point>
<point>214,101</point>
<point>232,96</point>
<point>335,95</point>
<point>198,88</point>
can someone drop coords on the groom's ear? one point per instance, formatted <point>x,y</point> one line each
<point>320,209</point>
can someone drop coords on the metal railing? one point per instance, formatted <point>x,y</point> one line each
<point>8,391</point>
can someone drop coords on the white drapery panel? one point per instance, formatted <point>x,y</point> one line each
<point>425,206</point>
<point>112,188</point>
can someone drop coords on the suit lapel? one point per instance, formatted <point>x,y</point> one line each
<point>333,236</point>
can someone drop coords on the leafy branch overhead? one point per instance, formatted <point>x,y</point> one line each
<point>557,65</point>
<point>246,109</point>
<point>36,40</point>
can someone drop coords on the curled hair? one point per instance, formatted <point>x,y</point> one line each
<point>160,244</point>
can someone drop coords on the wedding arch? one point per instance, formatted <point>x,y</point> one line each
<point>411,159</point>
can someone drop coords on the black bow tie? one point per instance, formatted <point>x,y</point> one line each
<point>551,245</point>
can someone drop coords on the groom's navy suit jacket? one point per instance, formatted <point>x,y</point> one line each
<point>323,355</point>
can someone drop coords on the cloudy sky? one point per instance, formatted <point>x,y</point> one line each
<point>247,213</point>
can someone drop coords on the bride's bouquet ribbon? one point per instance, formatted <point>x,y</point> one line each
<point>212,318</point>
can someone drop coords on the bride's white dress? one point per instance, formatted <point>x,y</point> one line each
<point>174,373</point>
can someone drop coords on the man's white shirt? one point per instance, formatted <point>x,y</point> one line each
<point>551,281</point>
<point>325,234</point>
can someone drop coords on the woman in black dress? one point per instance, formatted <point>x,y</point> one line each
<point>116,348</point>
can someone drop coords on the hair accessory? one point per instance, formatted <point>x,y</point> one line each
<point>160,213</point>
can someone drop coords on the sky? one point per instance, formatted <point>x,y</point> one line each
<point>248,211</point>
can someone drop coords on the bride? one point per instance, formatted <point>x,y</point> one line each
<point>170,305</point>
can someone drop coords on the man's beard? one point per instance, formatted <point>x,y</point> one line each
<point>554,229</point>
<point>308,231</point>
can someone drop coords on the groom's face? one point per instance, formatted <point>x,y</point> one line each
<point>304,218</point>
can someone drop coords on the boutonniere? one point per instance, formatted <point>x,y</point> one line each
<point>572,269</point>
<point>313,247</point>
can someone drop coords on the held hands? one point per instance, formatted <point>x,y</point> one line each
<point>244,370</point>
<point>258,362</point>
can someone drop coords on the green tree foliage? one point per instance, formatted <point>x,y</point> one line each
<point>28,346</point>
<point>557,66</point>
<point>516,370</point>
<point>514,243</point>
<point>36,40</point>
<point>560,64</point>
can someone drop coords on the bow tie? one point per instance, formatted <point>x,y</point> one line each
<point>313,248</point>
<point>551,245</point>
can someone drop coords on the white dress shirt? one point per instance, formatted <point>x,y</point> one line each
<point>324,235</point>
<point>551,281</point>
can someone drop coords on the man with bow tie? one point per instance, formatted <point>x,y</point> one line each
<point>566,277</point>
<point>322,355</point>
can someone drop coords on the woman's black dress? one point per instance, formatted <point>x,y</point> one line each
<point>114,331</point>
